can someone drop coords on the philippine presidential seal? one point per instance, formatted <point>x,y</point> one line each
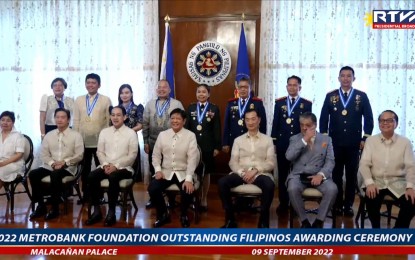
<point>208,63</point>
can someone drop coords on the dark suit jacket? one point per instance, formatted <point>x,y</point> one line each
<point>209,137</point>
<point>232,129</point>
<point>346,131</point>
<point>305,160</point>
<point>281,131</point>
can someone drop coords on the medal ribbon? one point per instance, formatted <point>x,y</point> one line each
<point>60,102</point>
<point>201,115</point>
<point>289,108</point>
<point>348,98</point>
<point>89,107</point>
<point>161,110</point>
<point>242,109</point>
<point>128,108</point>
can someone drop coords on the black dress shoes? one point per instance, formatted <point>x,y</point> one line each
<point>164,219</point>
<point>282,209</point>
<point>95,218</point>
<point>39,212</point>
<point>110,220</point>
<point>305,224</point>
<point>184,220</point>
<point>263,224</point>
<point>54,213</point>
<point>338,211</point>
<point>348,212</point>
<point>149,205</point>
<point>230,224</point>
<point>318,224</point>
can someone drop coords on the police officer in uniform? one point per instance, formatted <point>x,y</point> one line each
<point>287,111</point>
<point>235,111</point>
<point>341,118</point>
<point>203,119</point>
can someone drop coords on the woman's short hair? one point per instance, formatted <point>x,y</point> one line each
<point>8,114</point>
<point>65,85</point>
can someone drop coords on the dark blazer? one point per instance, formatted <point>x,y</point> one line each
<point>346,130</point>
<point>232,129</point>
<point>281,131</point>
<point>208,138</point>
<point>305,160</point>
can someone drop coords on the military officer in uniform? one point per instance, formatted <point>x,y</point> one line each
<point>203,119</point>
<point>287,111</point>
<point>235,111</point>
<point>341,118</point>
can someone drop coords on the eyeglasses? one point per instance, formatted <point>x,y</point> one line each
<point>386,121</point>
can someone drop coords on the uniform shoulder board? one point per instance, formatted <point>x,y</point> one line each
<point>256,99</point>
<point>233,99</point>
<point>193,103</point>
<point>281,98</point>
<point>213,104</point>
<point>332,91</point>
<point>307,100</point>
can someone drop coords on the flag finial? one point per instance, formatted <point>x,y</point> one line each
<point>243,17</point>
<point>167,18</point>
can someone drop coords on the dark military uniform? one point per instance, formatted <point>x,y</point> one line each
<point>208,136</point>
<point>344,125</point>
<point>282,130</point>
<point>232,128</point>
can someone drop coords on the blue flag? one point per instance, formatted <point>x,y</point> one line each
<point>242,66</point>
<point>167,61</point>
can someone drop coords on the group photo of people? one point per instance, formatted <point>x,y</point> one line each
<point>312,128</point>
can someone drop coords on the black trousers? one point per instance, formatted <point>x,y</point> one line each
<point>56,186</point>
<point>406,212</point>
<point>86,169</point>
<point>150,162</point>
<point>156,189</point>
<point>346,158</point>
<point>283,170</point>
<point>265,183</point>
<point>94,185</point>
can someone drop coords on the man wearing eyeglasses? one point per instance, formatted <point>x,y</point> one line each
<point>388,168</point>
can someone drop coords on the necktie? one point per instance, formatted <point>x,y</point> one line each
<point>243,102</point>
<point>345,95</point>
<point>292,101</point>
<point>202,106</point>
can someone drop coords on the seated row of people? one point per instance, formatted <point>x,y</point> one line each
<point>387,165</point>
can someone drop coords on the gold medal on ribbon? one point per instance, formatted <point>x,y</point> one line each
<point>160,121</point>
<point>87,119</point>
<point>240,122</point>
<point>199,128</point>
<point>344,112</point>
<point>288,120</point>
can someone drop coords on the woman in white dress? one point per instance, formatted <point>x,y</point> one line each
<point>11,149</point>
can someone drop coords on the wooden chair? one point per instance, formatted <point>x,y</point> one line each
<point>69,184</point>
<point>361,214</point>
<point>10,187</point>
<point>126,194</point>
<point>172,191</point>
<point>312,194</point>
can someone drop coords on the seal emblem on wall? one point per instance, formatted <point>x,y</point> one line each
<point>209,63</point>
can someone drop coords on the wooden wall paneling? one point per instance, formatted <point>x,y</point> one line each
<point>192,22</point>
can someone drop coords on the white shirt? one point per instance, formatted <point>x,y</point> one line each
<point>179,154</point>
<point>14,143</point>
<point>117,146</point>
<point>49,104</point>
<point>65,146</point>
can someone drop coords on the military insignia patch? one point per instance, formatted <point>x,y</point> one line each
<point>209,63</point>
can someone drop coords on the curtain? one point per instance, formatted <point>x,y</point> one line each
<point>42,40</point>
<point>314,39</point>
